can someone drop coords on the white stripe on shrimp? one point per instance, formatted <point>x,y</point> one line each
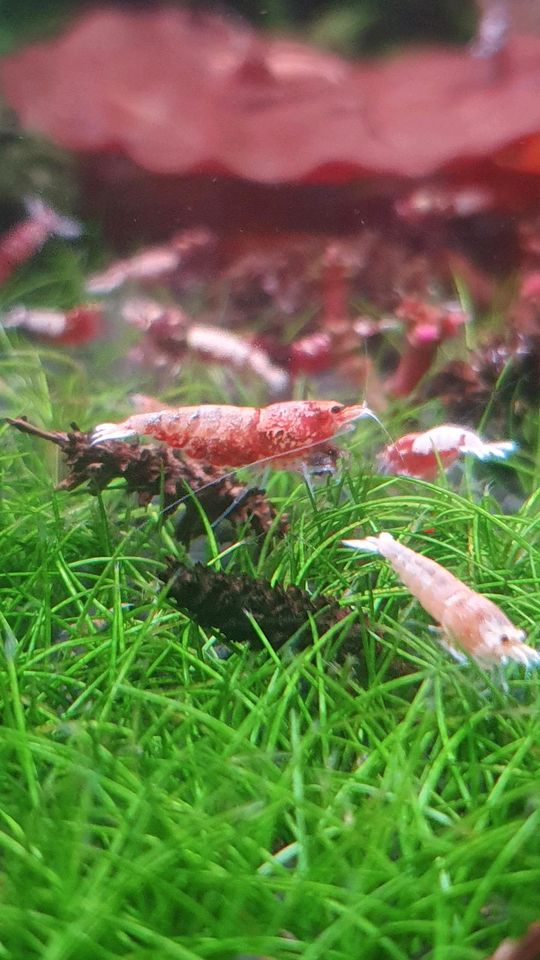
<point>451,437</point>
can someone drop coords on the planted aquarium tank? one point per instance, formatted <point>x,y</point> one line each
<point>269,383</point>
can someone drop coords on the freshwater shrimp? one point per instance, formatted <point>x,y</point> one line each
<point>469,622</point>
<point>26,238</point>
<point>229,436</point>
<point>224,347</point>
<point>154,263</point>
<point>169,330</point>
<point>157,263</point>
<point>421,454</point>
<point>81,324</point>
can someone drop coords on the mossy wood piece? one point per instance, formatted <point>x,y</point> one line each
<point>151,471</point>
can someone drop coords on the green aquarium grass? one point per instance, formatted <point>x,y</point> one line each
<point>160,802</point>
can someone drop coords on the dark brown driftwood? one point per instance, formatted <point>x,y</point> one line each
<point>151,471</point>
<point>222,601</point>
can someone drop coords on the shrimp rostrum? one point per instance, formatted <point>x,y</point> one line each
<point>469,622</point>
<point>228,436</point>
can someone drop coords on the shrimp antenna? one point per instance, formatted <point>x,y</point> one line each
<point>370,414</point>
<point>373,416</point>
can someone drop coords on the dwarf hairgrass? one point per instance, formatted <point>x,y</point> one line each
<point>158,801</point>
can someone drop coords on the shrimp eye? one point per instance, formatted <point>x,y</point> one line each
<point>337,408</point>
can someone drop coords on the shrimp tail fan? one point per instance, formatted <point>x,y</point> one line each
<point>498,450</point>
<point>368,544</point>
<point>110,431</point>
<point>57,224</point>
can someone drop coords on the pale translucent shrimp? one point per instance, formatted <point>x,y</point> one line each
<point>469,621</point>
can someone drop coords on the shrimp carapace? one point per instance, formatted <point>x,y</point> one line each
<point>469,621</point>
<point>230,436</point>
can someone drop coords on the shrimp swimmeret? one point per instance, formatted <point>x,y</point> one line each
<point>469,621</point>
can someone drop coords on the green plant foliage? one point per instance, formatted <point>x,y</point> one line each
<point>159,801</point>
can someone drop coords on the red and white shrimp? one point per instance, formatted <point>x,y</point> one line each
<point>81,324</point>
<point>154,263</point>
<point>469,621</point>
<point>229,436</point>
<point>224,347</point>
<point>26,238</point>
<point>158,264</point>
<point>420,455</point>
<point>173,333</point>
